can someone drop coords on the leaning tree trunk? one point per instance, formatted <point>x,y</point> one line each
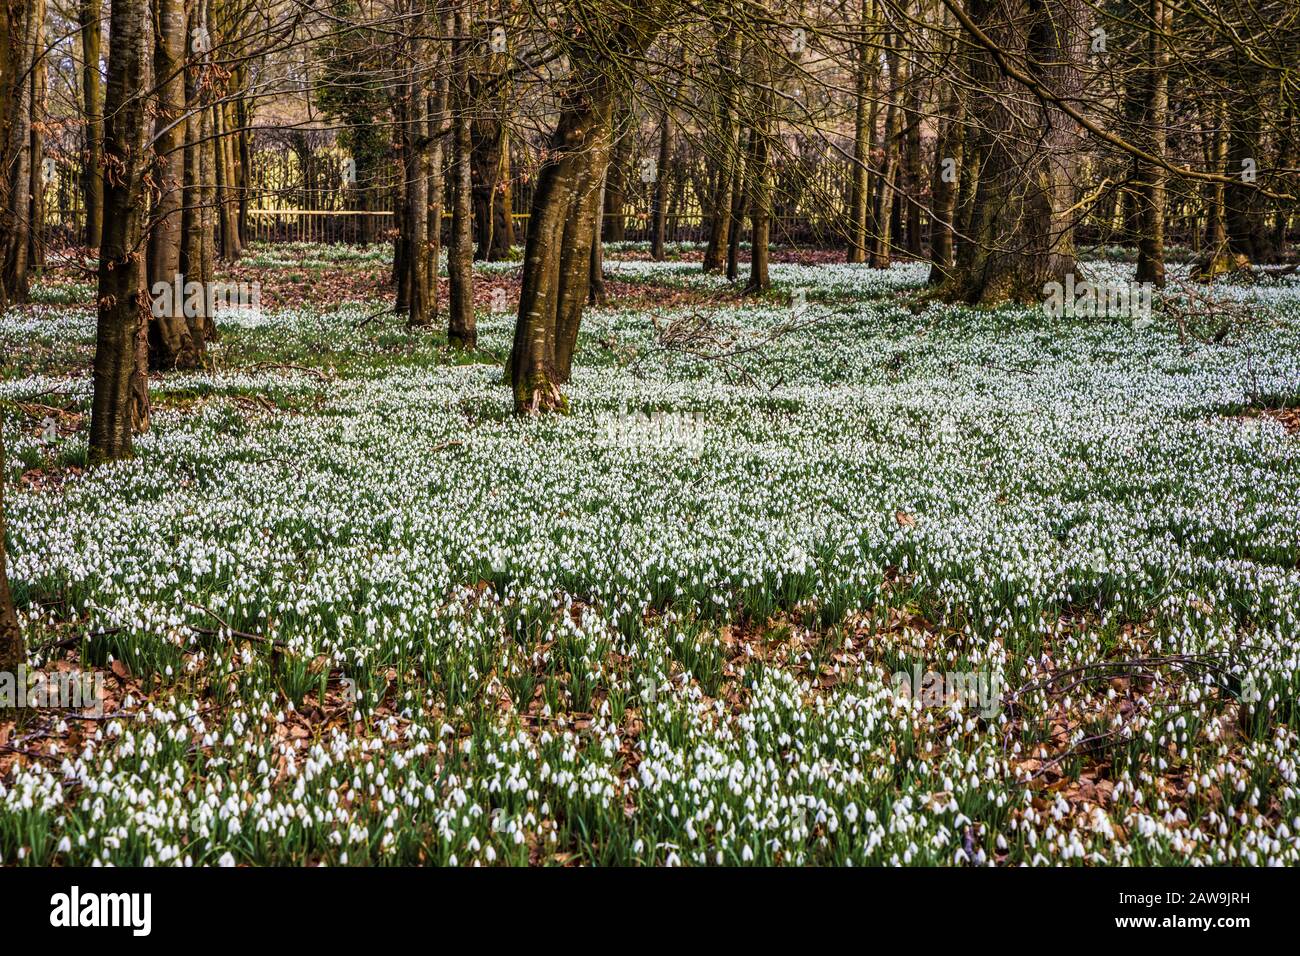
<point>12,653</point>
<point>92,176</point>
<point>1021,234</point>
<point>121,386</point>
<point>170,343</point>
<point>566,202</point>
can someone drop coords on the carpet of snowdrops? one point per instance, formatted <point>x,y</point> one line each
<point>353,611</point>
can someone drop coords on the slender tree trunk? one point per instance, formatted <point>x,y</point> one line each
<point>615,228</point>
<point>864,121</point>
<point>596,282</point>
<point>658,204</point>
<point>739,202</point>
<point>461,331</point>
<point>121,390</point>
<point>92,176</point>
<point>1151,191</point>
<point>910,197</point>
<point>20,46</point>
<point>1217,258</point>
<point>720,223</point>
<point>36,213</point>
<point>437,119</point>
<point>883,202</point>
<point>170,343</point>
<point>192,238</point>
<point>760,197</point>
<point>944,185</point>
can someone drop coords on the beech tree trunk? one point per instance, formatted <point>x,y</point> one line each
<point>944,186</point>
<point>864,122</point>
<point>659,200</point>
<point>728,145</point>
<point>170,343</point>
<point>882,217</point>
<point>19,47</point>
<point>92,176</point>
<point>1021,234</point>
<point>1151,190</point>
<point>461,330</point>
<point>760,195</point>
<point>121,400</point>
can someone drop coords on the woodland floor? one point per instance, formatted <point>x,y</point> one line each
<point>665,628</point>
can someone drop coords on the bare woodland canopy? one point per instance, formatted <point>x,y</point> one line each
<point>986,136</point>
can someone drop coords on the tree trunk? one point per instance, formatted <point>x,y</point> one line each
<point>760,196</point>
<point>1151,189</point>
<point>92,176</point>
<point>944,185</point>
<point>121,391</point>
<point>461,331</point>
<point>192,214</point>
<point>1022,228</point>
<point>864,121</point>
<point>883,202</point>
<point>615,227</point>
<point>36,211</point>
<point>557,265</point>
<point>1217,258</point>
<point>739,203</point>
<point>720,224</point>
<point>170,343</point>
<point>596,281</point>
<point>19,45</point>
<point>659,204</point>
